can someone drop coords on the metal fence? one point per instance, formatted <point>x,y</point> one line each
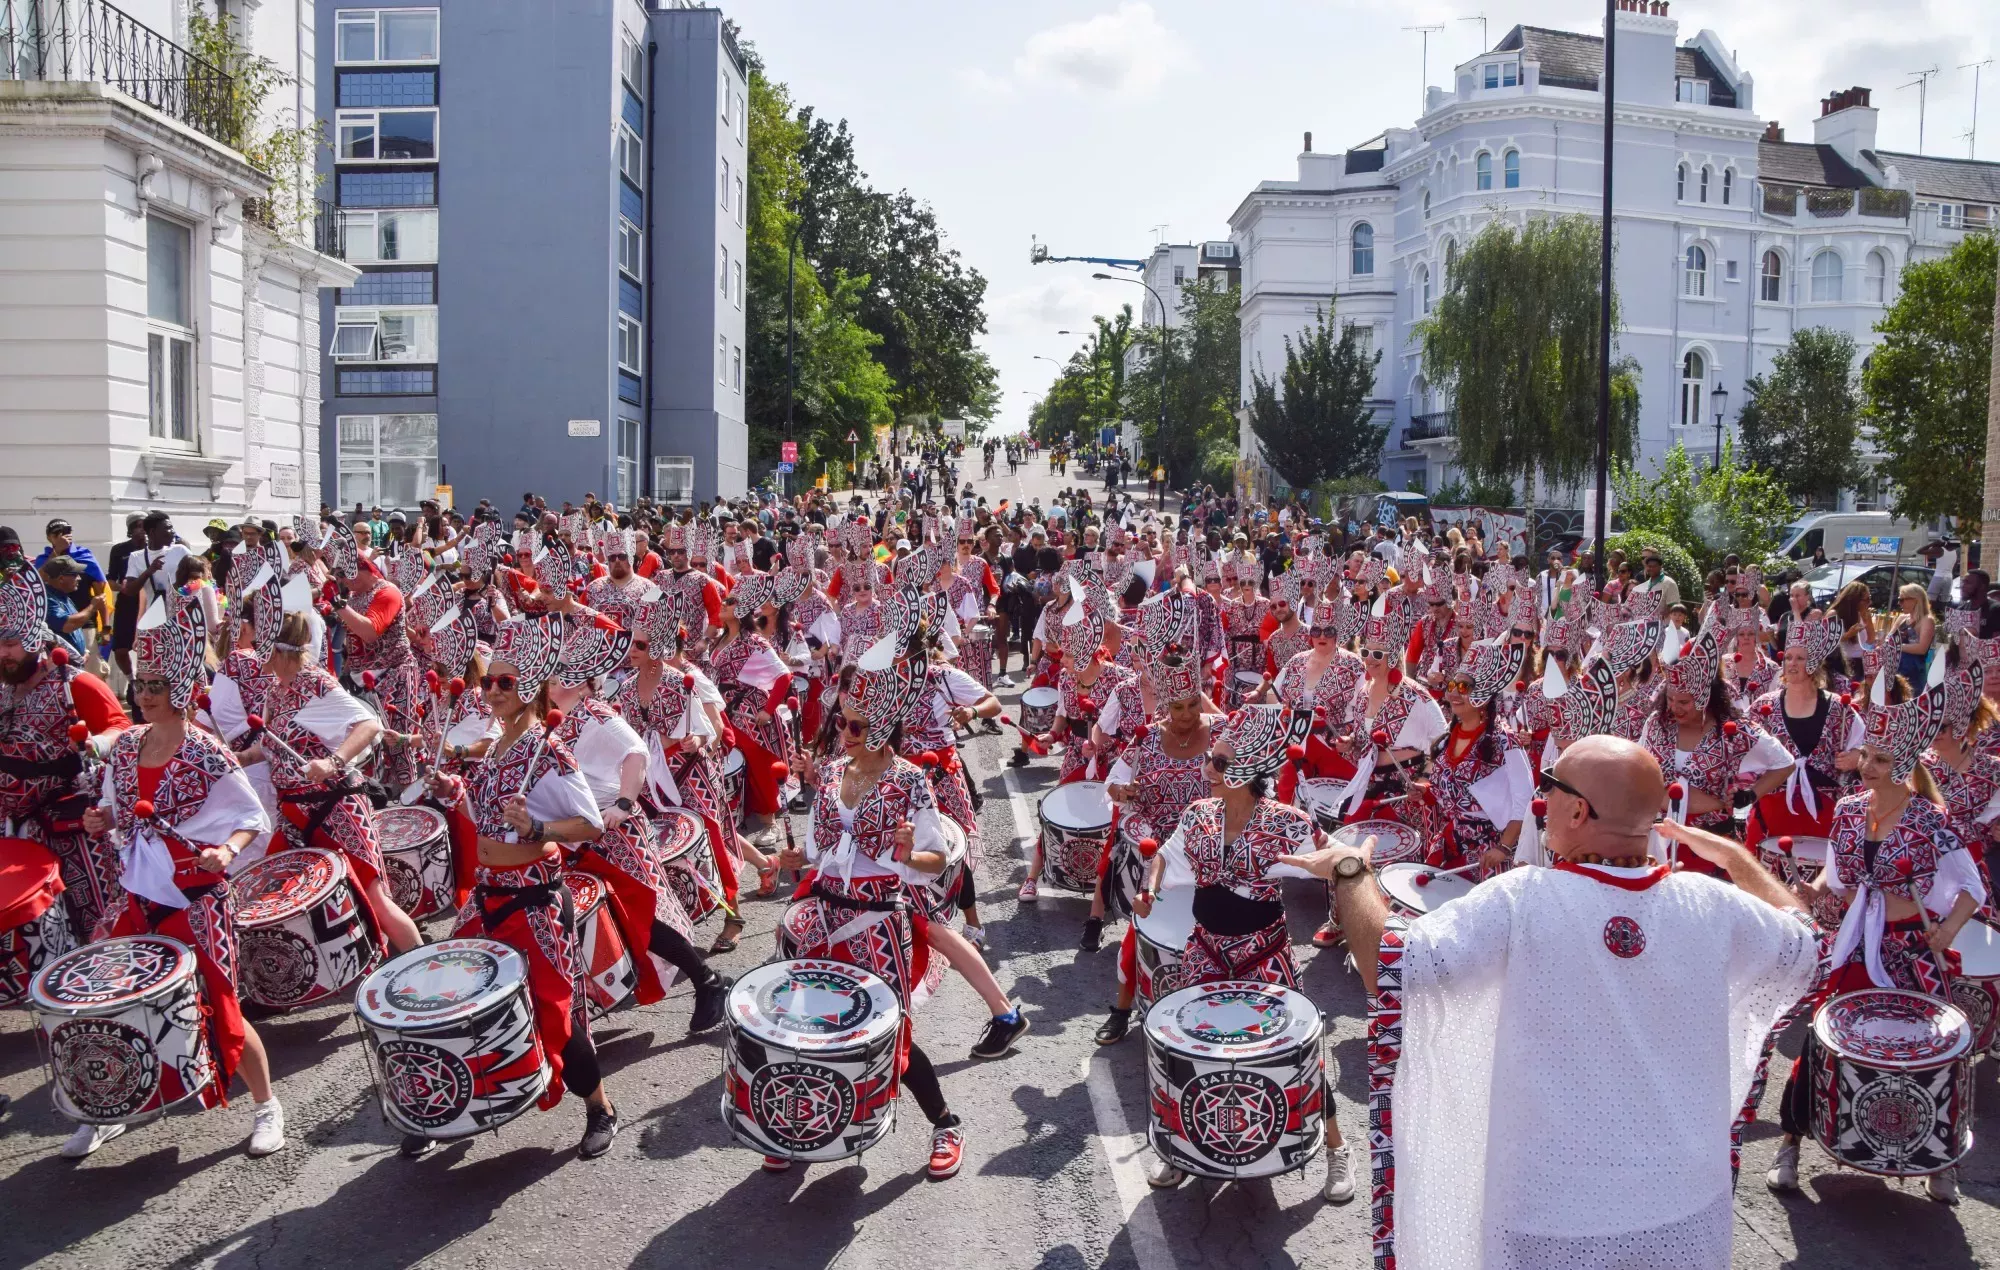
<point>91,41</point>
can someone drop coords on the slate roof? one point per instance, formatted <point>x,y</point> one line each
<point>1802,163</point>
<point>1957,180</point>
<point>1573,60</point>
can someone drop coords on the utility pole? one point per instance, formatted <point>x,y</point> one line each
<point>1424,87</point>
<point>1922,83</point>
<point>1604,308</point>
<point>1972,133</point>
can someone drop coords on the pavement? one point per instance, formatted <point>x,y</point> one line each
<point>1054,1175</point>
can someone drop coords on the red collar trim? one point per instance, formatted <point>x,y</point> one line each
<point>1623,883</point>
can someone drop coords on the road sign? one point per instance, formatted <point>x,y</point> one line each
<point>788,451</point>
<point>585,427</point>
<point>785,468</point>
<point>852,436</point>
<point>1875,547</point>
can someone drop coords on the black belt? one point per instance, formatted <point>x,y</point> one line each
<point>158,913</point>
<point>1223,911</point>
<point>521,898</point>
<point>819,892</point>
<point>70,764</point>
<point>322,803</point>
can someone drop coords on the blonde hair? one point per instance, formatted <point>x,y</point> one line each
<point>1911,591</point>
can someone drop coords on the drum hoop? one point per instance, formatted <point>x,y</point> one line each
<point>881,1026</point>
<point>439,827</point>
<point>184,968</point>
<point>1061,798</point>
<point>510,976</point>
<point>1306,1024</point>
<point>244,901</point>
<point>1991,941</point>
<point>1822,1024</point>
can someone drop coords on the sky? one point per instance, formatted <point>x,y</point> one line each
<point>1104,126</point>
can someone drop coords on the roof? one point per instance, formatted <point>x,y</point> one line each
<point>1572,60</point>
<point>1802,163</point>
<point>1963,179</point>
<point>1366,160</point>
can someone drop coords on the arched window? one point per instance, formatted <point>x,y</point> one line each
<point>1694,388</point>
<point>1427,204</point>
<point>1362,262</point>
<point>1450,260</point>
<point>1681,182</point>
<point>1728,184</point>
<point>1704,183</point>
<point>1482,171</point>
<point>1423,290</point>
<point>1875,281</point>
<point>1510,166</point>
<point>1420,396</point>
<point>1694,278</point>
<point>1826,277</point>
<point>1771,283</point>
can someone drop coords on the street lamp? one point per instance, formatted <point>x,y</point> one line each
<point>1160,433</point>
<point>1718,400</point>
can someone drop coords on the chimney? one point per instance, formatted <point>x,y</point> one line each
<point>1847,123</point>
<point>1309,142</point>
<point>1772,132</point>
<point>1646,52</point>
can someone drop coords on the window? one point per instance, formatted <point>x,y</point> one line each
<point>1450,260</point>
<point>1510,75</point>
<point>170,363</point>
<point>1692,91</point>
<point>721,359</point>
<point>1704,183</point>
<point>386,35</point>
<point>1728,184</point>
<point>741,114</point>
<point>1364,337</point>
<point>1427,204</point>
<point>630,344</point>
<point>630,247</point>
<point>1180,274</point>
<point>1511,169</point>
<point>673,478</point>
<point>388,136</point>
<point>1482,171</point>
<point>1826,277</point>
<point>387,460</point>
<point>388,189</point>
<point>1681,183</point>
<point>737,280</point>
<point>1362,255</point>
<point>1694,388</point>
<point>628,461</point>
<point>1694,278</point>
<point>632,64</point>
<point>722,270</point>
<point>727,98</point>
<point>741,202</point>
<point>388,88</point>
<point>384,335</point>
<point>390,288</point>
<point>725,185</point>
<point>1875,278</point>
<point>389,237</point>
<point>1423,296</point>
<point>736,368</point>
<point>1492,75</point>
<point>631,156</point>
<point>1771,278</point>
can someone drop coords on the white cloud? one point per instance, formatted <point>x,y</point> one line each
<point>1128,51</point>
<point>984,84</point>
<point>1044,309</point>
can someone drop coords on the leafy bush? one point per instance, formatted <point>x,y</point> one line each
<point>1674,560</point>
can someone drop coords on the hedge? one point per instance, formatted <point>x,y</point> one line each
<point>1674,559</point>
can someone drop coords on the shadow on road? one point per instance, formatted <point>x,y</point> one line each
<point>786,1221</point>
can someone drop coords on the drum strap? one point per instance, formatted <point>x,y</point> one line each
<point>518,899</point>
<point>322,803</point>
<point>157,914</point>
<point>819,892</point>
<point>70,764</point>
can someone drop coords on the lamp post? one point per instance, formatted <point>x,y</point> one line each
<point>1718,401</point>
<point>1603,481</point>
<point>1160,433</point>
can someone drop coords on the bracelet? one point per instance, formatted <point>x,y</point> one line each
<point>538,831</point>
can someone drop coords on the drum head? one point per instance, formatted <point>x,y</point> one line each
<point>586,891</point>
<point>813,1006</point>
<point>286,884</point>
<point>1078,805</point>
<point>1320,796</point>
<point>733,764</point>
<point>1395,842</point>
<point>1399,883</point>
<point>1978,949</point>
<point>1232,1019</point>
<point>1171,922</point>
<point>679,831</point>
<point>1806,850</point>
<point>111,974</point>
<point>407,828</point>
<point>439,983</point>
<point>1041,698</point>
<point>1248,679</point>
<point>1889,1027</point>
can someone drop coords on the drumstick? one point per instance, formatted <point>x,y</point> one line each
<point>550,722</point>
<point>452,690</point>
<point>1425,879</point>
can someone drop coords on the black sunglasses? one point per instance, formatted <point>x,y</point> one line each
<point>1549,780</point>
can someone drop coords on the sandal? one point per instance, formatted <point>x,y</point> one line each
<point>726,941</point>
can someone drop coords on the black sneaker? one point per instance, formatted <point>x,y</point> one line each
<point>1115,1025</point>
<point>599,1127</point>
<point>801,804</point>
<point>1020,759</point>
<point>711,1002</point>
<point>1000,1036</point>
<point>416,1146</point>
<point>1093,934</point>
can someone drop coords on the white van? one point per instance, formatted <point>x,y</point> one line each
<point>1874,536</point>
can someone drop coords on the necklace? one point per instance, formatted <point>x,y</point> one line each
<point>1876,822</point>
<point>1617,861</point>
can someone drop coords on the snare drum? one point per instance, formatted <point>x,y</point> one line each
<point>1414,889</point>
<point>732,781</point>
<point>1395,842</point>
<point>809,1064</point>
<point>1161,938</point>
<point>1238,1079</point>
<point>681,839</point>
<point>1243,685</point>
<point>935,895</point>
<point>123,1021</point>
<point>609,977</point>
<point>1976,992</point>
<point>451,1038</point>
<point>1038,710</point>
<point>1892,1082</point>
<point>975,654</point>
<point>300,929</point>
<point>1076,823</point>
<point>1319,797</point>
<point>34,927</point>
<point>416,858</point>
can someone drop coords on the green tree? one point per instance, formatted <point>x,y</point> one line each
<point>1458,492</point>
<point>1710,512</point>
<point>1926,385</point>
<point>1204,357</point>
<point>1314,422</point>
<point>1798,422</point>
<point>1513,340</point>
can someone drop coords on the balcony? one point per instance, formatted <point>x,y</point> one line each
<point>90,41</point>
<point>1431,427</point>
<point>1819,203</point>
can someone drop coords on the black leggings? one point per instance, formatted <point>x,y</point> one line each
<point>920,1078</point>
<point>1795,1109</point>
<point>673,948</point>
<point>581,1074</point>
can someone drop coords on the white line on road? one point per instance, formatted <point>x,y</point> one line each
<point>1026,823</point>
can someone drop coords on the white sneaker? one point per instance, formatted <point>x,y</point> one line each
<point>1784,1174</point>
<point>87,1138</point>
<point>1004,681</point>
<point>1339,1174</point>
<point>976,936</point>
<point>1943,1187</point>
<point>1164,1176</point>
<point>267,1131</point>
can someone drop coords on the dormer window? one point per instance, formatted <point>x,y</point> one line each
<point>1694,91</point>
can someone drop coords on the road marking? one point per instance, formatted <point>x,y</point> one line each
<point>1027,825</point>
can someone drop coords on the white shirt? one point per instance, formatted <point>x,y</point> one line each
<point>162,580</point>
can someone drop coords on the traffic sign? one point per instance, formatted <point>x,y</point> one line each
<point>785,468</point>
<point>852,436</point>
<point>788,451</point>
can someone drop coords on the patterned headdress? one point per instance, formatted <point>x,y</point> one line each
<point>1383,629</point>
<point>789,585</point>
<point>1374,571</point>
<point>1259,738</point>
<point>591,646</point>
<point>1488,667</point>
<point>1818,636</point>
<point>1629,643</point>
<point>171,643</point>
<point>1168,624</point>
<point>533,646</point>
<point>1174,679</point>
<point>556,567</point>
<point>427,602</point>
<point>454,637</point>
<point>887,686</point>
<point>343,555</point>
<point>1693,669</point>
<point>406,569</point>
<point>24,609</point>
<point>1906,729</point>
<point>968,528</point>
<point>1744,620</point>
<point>1082,628</point>
<point>1289,587</point>
<point>1589,705</point>
<point>267,614</point>
<point>615,542</point>
<point>1570,630</point>
<point>921,567</point>
<point>753,591</point>
<point>1963,688</point>
<point>661,624</point>
<point>673,536</point>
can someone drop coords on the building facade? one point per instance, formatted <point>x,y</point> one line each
<point>1728,238</point>
<point>551,290</point>
<point>161,298</point>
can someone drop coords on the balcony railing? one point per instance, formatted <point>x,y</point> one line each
<point>1431,427</point>
<point>91,41</point>
<point>291,219</point>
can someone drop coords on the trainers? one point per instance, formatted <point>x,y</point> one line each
<point>599,1127</point>
<point>1943,1187</point>
<point>1327,936</point>
<point>87,1138</point>
<point>1019,759</point>
<point>1093,934</point>
<point>776,1164</point>
<point>1784,1174</point>
<point>976,936</point>
<point>1339,1174</point>
<point>1004,681</point>
<point>1115,1025</point>
<point>416,1146</point>
<point>1164,1176</point>
<point>711,1001</point>
<point>1000,1036</point>
<point>1029,892</point>
<point>947,1152</point>
<point>267,1129</point>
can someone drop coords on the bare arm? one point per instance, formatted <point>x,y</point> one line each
<point>1737,860</point>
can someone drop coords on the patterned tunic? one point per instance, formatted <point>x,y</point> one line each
<point>1241,622</point>
<point>860,626</point>
<point>398,682</point>
<point>745,701</point>
<point>1833,734</point>
<point>1905,864</point>
<point>1966,794</point>
<point>253,682</point>
<point>309,813</point>
<point>1710,767</point>
<point>1637,703</point>
<point>617,600</point>
<point>1081,704</point>
<point>1283,646</point>
<point>1468,832</point>
<point>1239,866</point>
<point>1331,694</point>
<point>34,729</point>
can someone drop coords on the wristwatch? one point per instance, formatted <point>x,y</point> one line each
<point>1349,867</point>
<point>623,804</point>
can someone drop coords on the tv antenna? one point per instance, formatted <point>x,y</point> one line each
<point>1972,133</point>
<point>1922,83</point>
<point>1423,89</point>
<point>1480,18</point>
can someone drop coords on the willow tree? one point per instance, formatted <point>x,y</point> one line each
<point>1512,342</point>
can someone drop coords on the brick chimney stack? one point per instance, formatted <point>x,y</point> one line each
<point>1772,132</point>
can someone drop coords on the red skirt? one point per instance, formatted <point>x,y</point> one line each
<point>543,932</point>
<point>205,927</point>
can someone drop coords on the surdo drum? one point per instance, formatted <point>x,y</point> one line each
<point>1976,992</point>
<point>1243,684</point>
<point>34,923</point>
<point>1415,889</point>
<point>1076,823</point>
<point>1395,842</point>
<point>975,656</point>
<point>1238,1079</point>
<point>1801,867</point>
<point>688,861</point>
<point>416,857</point>
<point>451,1038</point>
<point>1892,1084</point>
<point>123,1022</point>
<point>935,895</point>
<point>732,782</point>
<point>1162,938</point>
<point>809,1064</point>
<point>1038,710</point>
<point>609,978</point>
<point>299,928</point>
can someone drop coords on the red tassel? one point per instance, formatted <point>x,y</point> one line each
<point>143,809</point>
<point>1729,727</point>
<point>1395,675</point>
<point>79,733</point>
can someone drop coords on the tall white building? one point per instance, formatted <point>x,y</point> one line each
<point>1728,237</point>
<point>158,305</point>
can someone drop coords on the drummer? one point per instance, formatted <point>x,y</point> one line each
<point>951,699</point>
<point>176,861</point>
<point>1321,679</point>
<point>1481,782</point>
<point>1888,840</point>
<point>756,682</point>
<point>873,833</point>
<point>1226,847</point>
<point>1820,731</point>
<point>1967,773</point>
<point>1288,635</point>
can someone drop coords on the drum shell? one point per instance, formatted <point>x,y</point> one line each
<point>1159,940</point>
<point>1070,852</point>
<point>687,859</point>
<point>1038,710</point>
<point>609,977</point>
<point>480,1069</point>
<point>130,1059</point>
<point>1229,1115</point>
<point>975,654</point>
<point>1976,990</point>
<point>935,895</point>
<point>1404,900</point>
<point>1888,1117</point>
<point>30,946</point>
<point>732,783</point>
<point>309,952</point>
<point>416,858</point>
<point>1240,685</point>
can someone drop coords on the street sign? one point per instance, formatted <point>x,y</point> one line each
<point>852,436</point>
<point>789,452</point>
<point>585,427</point>
<point>1874,547</point>
<point>785,468</point>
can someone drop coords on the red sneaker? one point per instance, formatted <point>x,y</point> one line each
<point>1327,936</point>
<point>947,1152</point>
<point>776,1164</point>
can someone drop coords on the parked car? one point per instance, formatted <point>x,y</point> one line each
<point>1881,577</point>
<point>1831,530</point>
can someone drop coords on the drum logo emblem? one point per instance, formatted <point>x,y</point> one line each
<point>1624,938</point>
<point>443,979</point>
<point>405,887</point>
<point>1894,1114</point>
<point>279,967</point>
<point>106,972</point>
<point>429,1086</point>
<point>109,1069</point>
<point>1232,1115</point>
<point>816,1002</point>
<point>802,1106</point>
<point>1232,1018</point>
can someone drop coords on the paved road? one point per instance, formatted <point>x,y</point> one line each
<point>1053,1176</point>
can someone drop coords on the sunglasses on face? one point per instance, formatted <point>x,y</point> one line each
<point>1375,654</point>
<point>854,727</point>
<point>1549,780</point>
<point>1220,762</point>
<point>505,683</point>
<point>150,687</point>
